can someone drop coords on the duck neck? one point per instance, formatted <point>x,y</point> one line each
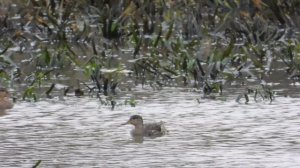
<point>139,126</point>
<point>139,129</point>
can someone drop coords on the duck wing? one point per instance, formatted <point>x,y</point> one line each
<point>154,129</point>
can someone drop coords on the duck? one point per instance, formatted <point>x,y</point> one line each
<point>145,130</point>
<point>5,102</point>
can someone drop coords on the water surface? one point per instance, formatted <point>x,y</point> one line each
<point>79,132</point>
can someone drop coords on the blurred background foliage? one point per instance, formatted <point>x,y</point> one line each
<point>54,47</point>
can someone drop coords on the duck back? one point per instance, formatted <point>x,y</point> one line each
<point>154,129</point>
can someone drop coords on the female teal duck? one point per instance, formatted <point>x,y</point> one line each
<point>5,102</point>
<point>148,130</point>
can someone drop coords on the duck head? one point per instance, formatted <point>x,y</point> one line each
<point>135,120</point>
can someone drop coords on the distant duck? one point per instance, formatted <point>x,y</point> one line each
<point>5,102</point>
<point>147,130</point>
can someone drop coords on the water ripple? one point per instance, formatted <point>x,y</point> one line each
<point>82,133</point>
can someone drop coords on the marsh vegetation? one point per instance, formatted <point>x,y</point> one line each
<point>56,47</point>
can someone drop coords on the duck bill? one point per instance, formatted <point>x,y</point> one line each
<point>126,123</point>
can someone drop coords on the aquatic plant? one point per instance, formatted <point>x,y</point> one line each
<point>106,45</point>
<point>37,164</point>
<point>260,93</point>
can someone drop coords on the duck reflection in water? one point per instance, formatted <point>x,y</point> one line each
<point>142,130</point>
<point>5,102</point>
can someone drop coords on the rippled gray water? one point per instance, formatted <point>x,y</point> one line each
<point>79,132</point>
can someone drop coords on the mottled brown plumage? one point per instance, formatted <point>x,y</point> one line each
<point>148,130</point>
<point>5,102</point>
